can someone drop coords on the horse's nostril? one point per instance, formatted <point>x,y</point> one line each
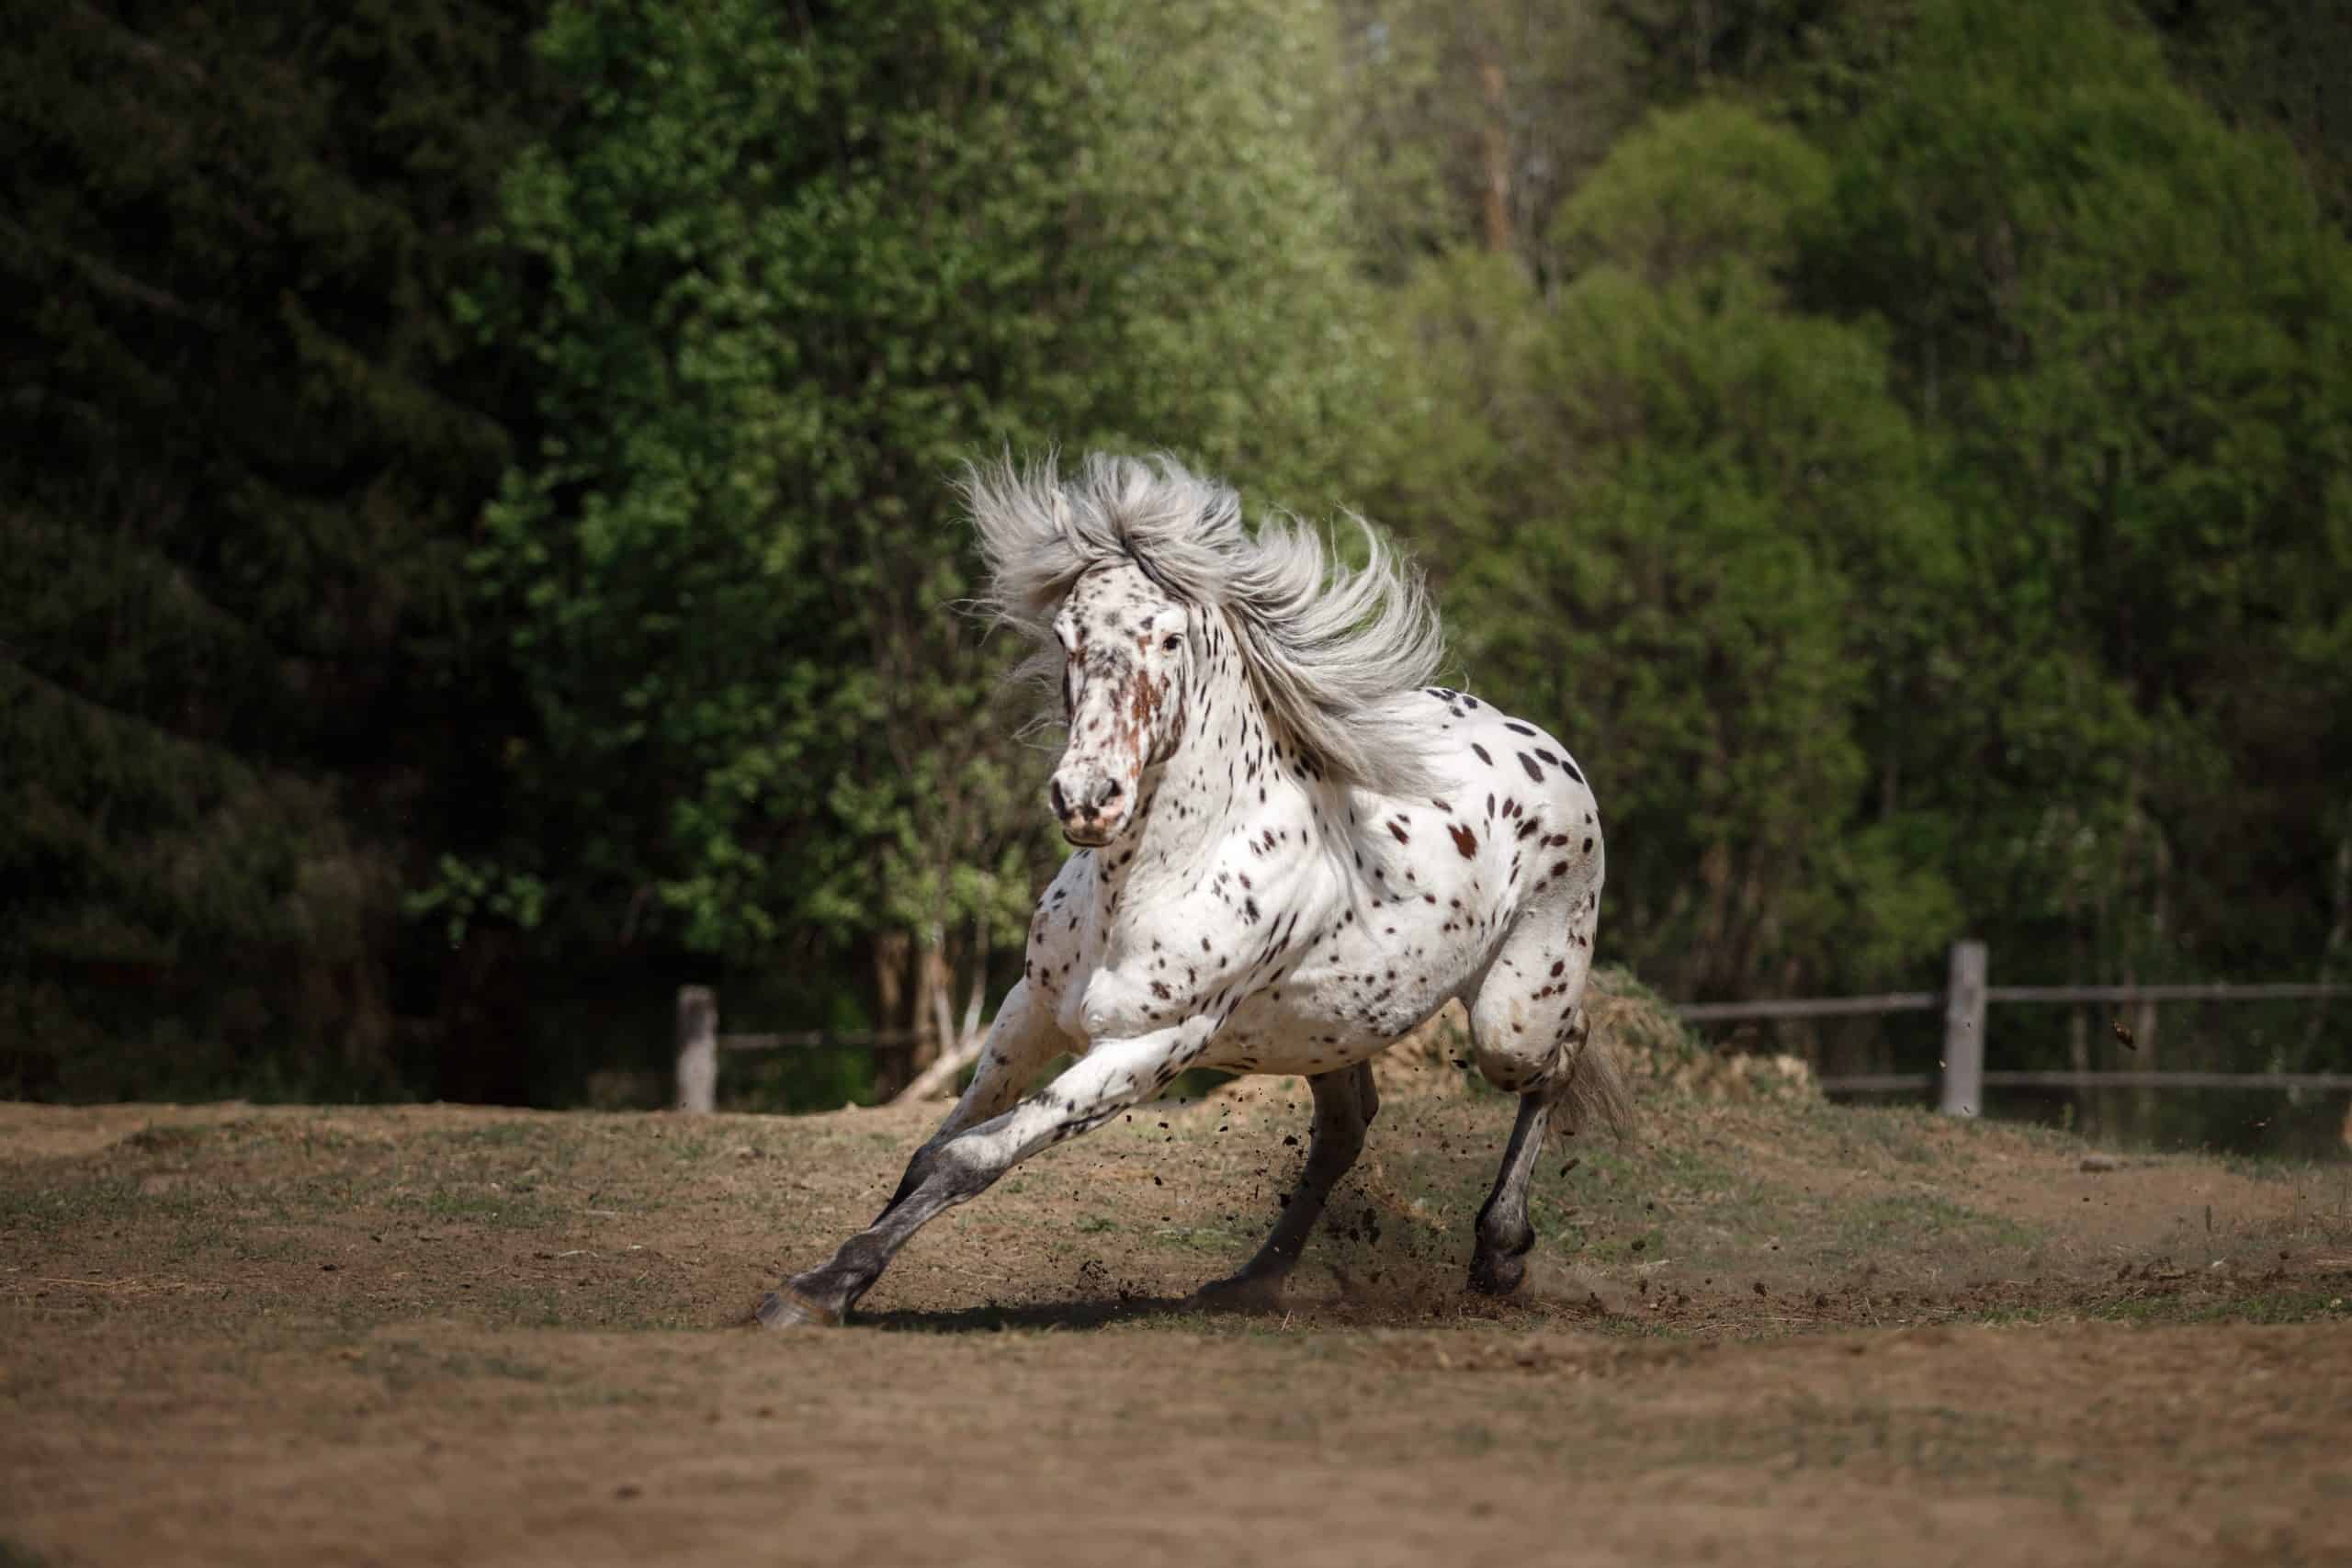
<point>1054,794</point>
<point>1110,791</point>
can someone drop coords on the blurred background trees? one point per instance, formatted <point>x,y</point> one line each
<point>778,279</point>
<point>247,446</point>
<point>478,544</point>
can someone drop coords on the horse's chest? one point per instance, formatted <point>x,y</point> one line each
<point>1367,982</point>
<point>1179,964</point>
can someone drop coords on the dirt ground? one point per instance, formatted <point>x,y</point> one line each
<point>1761,1332</point>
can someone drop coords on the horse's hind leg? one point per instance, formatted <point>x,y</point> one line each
<point>1528,1028</point>
<point>1345,1103</point>
<point>1506,1235</point>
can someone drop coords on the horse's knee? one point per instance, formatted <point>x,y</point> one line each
<point>1341,1141</point>
<point>1513,1072</point>
<point>940,1170</point>
<point>1344,1107</point>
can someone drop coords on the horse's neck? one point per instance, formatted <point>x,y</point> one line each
<point>1222,774</point>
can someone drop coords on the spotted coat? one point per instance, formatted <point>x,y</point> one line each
<point>1233,904</point>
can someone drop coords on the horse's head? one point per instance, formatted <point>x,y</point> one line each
<point>1124,643</point>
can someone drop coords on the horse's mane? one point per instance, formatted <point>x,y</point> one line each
<point>1326,647</point>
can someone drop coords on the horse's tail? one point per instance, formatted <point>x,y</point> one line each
<point>1588,1086</point>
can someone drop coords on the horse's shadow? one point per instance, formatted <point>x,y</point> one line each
<point>1083,1314</point>
<point>1355,1304</point>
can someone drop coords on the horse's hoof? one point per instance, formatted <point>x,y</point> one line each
<point>788,1308</point>
<point>1497,1276</point>
<point>1238,1293</point>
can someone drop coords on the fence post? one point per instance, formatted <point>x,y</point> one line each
<point>1965,1031</point>
<point>697,1048</point>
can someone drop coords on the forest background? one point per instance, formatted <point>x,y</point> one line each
<point>476,547</point>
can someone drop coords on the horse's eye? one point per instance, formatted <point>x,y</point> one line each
<point>1172,643</point>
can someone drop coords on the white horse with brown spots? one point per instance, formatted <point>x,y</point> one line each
<point>1291,850</point>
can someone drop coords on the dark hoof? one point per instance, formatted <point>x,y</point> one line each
<point>788,1308</point>
<point>1498,1269</point>
<point>1497,1276</point>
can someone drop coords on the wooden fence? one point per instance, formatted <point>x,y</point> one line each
<point>699,1044</point>
<point>1966,997</point>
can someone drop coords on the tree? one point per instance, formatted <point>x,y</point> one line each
<point>2127,324</point>
<point>245,447</point>
<point>1686,524</point>
<point>2279,64</point>
<point>2131,320</point>
<point>780,275</point>
<point>1467,123</point>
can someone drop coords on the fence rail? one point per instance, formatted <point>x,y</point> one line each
<point>1963,1001</point>
<point>699,1043</point>
<point>805,1039</point>
<point>2219,991</point>
<point>1867,1083</point>
<point>1928,1002</point>
<point>1811,1006</point>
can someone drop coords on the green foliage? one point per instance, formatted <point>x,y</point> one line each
<point>1703,545</point>
<point>1695,195</point>
<point>240,458</point>
<point>480,538</point>
<point>1469,120</point>
<point>779,281</point>
<point>2275,63</point>
<point>2130,323</point>
<point>1922,512</point>
<point>1922,506</point>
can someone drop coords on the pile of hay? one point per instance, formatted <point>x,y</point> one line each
<point>1650,1041</point>
<point>1654,1045</point>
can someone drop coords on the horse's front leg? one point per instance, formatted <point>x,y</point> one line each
<point>1024,1037</point>
<point>947,1172</point>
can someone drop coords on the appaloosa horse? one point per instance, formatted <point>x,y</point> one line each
<point>1291,851</point>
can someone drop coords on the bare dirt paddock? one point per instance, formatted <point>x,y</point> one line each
<point>1763,1334</point>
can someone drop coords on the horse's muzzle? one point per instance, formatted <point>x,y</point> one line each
<point>1092,806</point>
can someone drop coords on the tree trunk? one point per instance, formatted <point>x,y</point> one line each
<point>2078,1055</point>
<point>1493,142</point>
<point>893,1064</point>
<point>959,1042</point>
<point>934,1003</point>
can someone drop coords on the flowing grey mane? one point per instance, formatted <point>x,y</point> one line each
<point>1327,646</point>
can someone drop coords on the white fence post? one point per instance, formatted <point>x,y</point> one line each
<point>1965,1031</point>
<point>698,1049</point>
